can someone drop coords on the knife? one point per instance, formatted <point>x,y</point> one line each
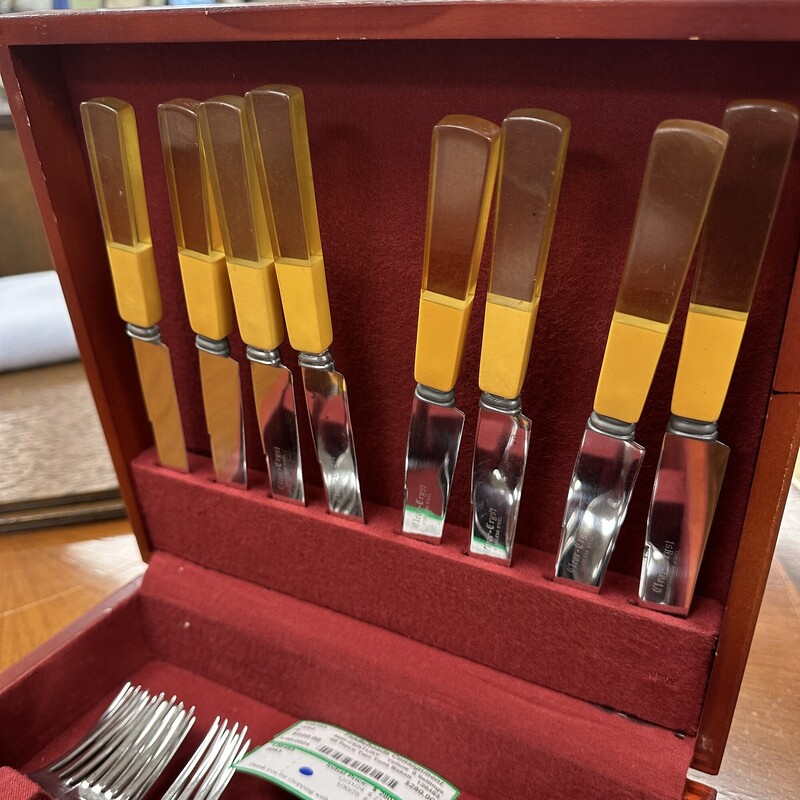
<point>464,157</point>
<point>109,125</point>
<point>205,286</point>
<point>280,138</point>
<point>251,270</point>
<point>692,464</point>
<point>682,167</point>
<point>532,152</point>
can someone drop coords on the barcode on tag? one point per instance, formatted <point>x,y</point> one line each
<point>317,761</point>
<point>367,769</point>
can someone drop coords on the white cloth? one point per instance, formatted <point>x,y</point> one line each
<point>35,328</point>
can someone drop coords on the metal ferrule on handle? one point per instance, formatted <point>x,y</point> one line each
<point>113,147</point>
<point>693,462</point>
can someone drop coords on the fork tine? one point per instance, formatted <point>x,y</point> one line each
<point>209,771</point>
<point>76,769</point>
<point>116,708</point>
<point>128,766</point>
<point>161,752</point>
<point>117,742</point>
<point>179,782</point>
<point>208,760</point>
<point>221,773</point>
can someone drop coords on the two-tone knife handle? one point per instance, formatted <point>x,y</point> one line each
<point>202,263</point>
<point>681,172</point>
<point>243,222</point>
<point>532,154</point>
<point>279,131</point>
<point>464,156</point>
<point>762,136</point>
<point>110,128</point>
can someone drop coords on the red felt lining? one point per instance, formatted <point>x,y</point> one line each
<point>494,736</point>
<point>601,648</point>
<point>371,108</point>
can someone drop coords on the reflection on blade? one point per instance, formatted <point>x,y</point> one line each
<point>222,400</point>
<point>685,493</point>
<point>329,413</point>
<point>277,421</point>
<point>434,436</point>
<point>501,451</point>
<point>161,402</point>
<point>599,493</point>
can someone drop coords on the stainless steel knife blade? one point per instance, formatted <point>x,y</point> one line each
<point>498,470</point>
<point>113,146</point>
<point>463,167</point>
<point>273,389</point>
<point>329,415</point>
<point>600,491</point>
<point>681,172</point>
<point>532,154</point>
<point>762,135</point>
<point>434,436</point>
<point>277,121</point>
<point>690,474</point>
<point>222,402</point>
<point>251,271</point>
<point>205,285</point>
<point>154,365</point>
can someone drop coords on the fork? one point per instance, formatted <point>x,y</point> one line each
<point>124,753</point>
<point>209,770</point>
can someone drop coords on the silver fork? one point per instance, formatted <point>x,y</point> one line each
<point>209,770</point>
<point>125,752</point>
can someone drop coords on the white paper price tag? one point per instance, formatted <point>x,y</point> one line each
<point>317,761</point>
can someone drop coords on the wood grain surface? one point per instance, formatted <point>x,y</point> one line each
<point>754,20</point>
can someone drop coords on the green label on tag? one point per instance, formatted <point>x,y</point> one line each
<point>317,761</point>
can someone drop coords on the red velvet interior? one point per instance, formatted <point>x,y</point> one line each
<point>494,736</point>
<point>371,107</point>
<point>601,648</point>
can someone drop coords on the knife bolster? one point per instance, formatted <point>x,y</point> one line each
<point>441,335</point>
<point>258,307</point>
<point>506,348</point>
<point>133,271</point>
<point>208,293</point>
<point>304,295</point>
<point>710,346</point>
<point>632,353</point>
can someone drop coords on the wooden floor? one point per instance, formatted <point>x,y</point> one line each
<point>50,577</point>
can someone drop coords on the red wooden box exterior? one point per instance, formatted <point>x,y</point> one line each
<point>111,379</point>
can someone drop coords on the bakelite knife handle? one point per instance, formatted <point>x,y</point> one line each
<point>464,156</point>
<point>682,168</point>
<point>112,141</point>
<point>279,131</point>
<point>203,270</point>
<point>248,250</point>
<point>761,139</point>
<point>532,153</point>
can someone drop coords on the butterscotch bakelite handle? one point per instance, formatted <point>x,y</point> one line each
<point>228,151</point>
<point>532,153</point>
<point>202,262</point>
<point>682,168</point>
<point>762,135</point>
<point>112,142</point>
<point>464,156</point>
<point>279,130</point>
